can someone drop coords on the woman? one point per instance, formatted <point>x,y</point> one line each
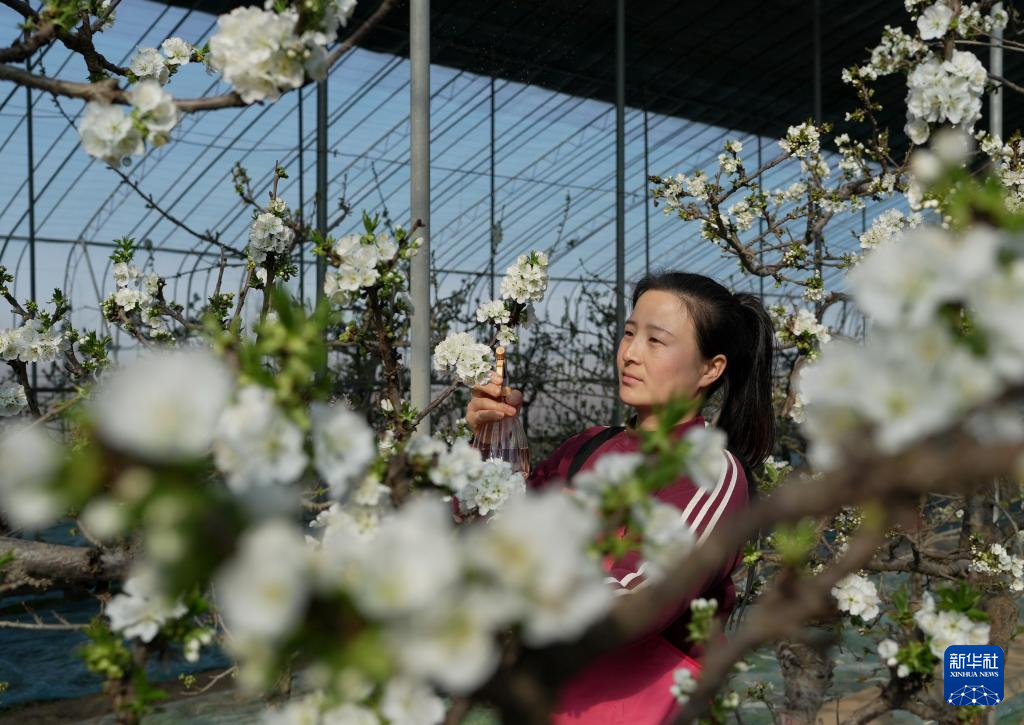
<point>687,336</point>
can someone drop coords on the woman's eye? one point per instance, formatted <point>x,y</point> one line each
<point>656,340</point>
<point>627,333</point>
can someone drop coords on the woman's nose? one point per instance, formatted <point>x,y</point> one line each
<point>628,350</point>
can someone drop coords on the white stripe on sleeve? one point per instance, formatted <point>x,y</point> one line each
<point>734,464</point>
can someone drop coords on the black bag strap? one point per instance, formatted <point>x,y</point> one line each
<point>590,446</point>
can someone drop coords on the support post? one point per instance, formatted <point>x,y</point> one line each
<point>620,187</point>
<point>419,114</point>
<point>30,123</point>
<point>321,179</point>
<point>819,250</point>
<point>494,231</point>
<point>302,197</point>
<point>647,202</point>
<point>995,98</point>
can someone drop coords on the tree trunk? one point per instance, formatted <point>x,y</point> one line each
<point>807,675</point>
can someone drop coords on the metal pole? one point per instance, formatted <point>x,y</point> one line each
<point>620,182</point>
<point>419,116</point>
<point>494,236</point>
<point>817,61</point>
<point>321,180</point>
<point>31,208</point>
<point>302,199</point>
<point>818,250</point>
<point>760,224</point>
<point>647,202</point>
<point>995,98</point>
<point>995,128</point>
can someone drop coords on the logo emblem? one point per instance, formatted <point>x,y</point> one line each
<point>973,674</point>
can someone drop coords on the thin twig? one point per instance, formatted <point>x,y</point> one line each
<point>213,681</point>
<point>39,626</point>
<point>1009,84</point>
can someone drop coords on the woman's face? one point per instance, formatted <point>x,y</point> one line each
<point>658,355</point>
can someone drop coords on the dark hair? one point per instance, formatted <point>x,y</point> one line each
<point>737,326</point>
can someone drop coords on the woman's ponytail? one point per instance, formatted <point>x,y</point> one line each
<point>747,415</point>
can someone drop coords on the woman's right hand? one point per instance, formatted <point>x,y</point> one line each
<point>486,405</point>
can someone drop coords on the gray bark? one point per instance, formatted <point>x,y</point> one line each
<point>37,563</point>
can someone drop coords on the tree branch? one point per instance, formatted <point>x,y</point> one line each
<point>45,627</point>
<point>22,8</point>
<point>35,560</point>
<point>350,42</point>
<point>105,91</point>
<point>108,91</point>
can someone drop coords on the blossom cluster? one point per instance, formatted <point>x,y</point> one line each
<point>494,311</point>
<point>256,445</point>
<point>527,279</point>
<point>858,596</point>
<point>492,488</point>
<point>471,360</point>
<point>947,628</point>
<point>524,283</point>
<point>802,141</point>
<point>401,701</point>
<point>149,64</point>
<point>498,312</point>
<point>705,455</point>
<point>741,215</point>
<point>343,447</point>
<point>896,51</point>
<point>608,472</point>
<point>269,233</point>
<point>439,597</point>
<point>936,20</point>
<point>801,328</point>
<point>261,52</point>
<point>33,342</point>
<point>480,486</point>
<point>917,372</point>
<point>888,651</point>
<point>666,537</point>
<point>30,459</point>
<point>791,194</point>
<point>142,607</point>
<point>1008,162</point>
<point>12,400</point>
<point>136,292</point>
<point>729,161</point>
<point>999,562</point>
<point>109,133</point>
<point>683,685</point>
<point>887,226</point>
<point>356,259</point>
<point>180,405</point>
<point>675,190</point>
<point>940,91</point>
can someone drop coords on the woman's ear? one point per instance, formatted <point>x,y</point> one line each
<point>713,370</point>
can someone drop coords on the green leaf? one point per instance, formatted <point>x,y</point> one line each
<point>794,543</point>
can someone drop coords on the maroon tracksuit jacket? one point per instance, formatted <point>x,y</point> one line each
<point>703,510</point>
